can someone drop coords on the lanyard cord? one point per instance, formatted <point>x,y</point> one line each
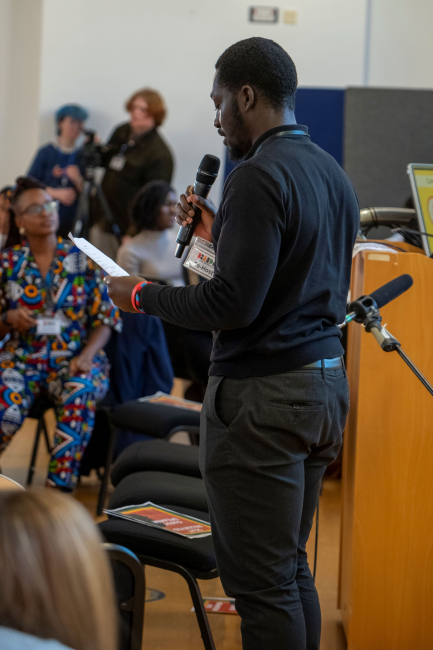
<point>281,134</point>
<point>47,284</point>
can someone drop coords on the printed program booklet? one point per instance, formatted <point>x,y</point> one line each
<point>215,605</point>
<point>169,400</point>
<point>155,516</point>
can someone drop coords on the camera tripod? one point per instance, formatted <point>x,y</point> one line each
<point>80,227</point>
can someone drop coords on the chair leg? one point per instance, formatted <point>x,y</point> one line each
<point>194,589</point>
<point>104,483</point>
<point>200,612</point>
<point>45,432</point>
<point>34,452</point>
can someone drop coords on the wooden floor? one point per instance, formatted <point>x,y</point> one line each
<point>169,623</point>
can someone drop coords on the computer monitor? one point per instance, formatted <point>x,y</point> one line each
<point>421,181</point>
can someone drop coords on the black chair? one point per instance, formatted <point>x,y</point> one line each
<point>160,487</point>
<point>40,406</point>
<point>156,420</point>
<point>130,589</point>
<point>192,559</point>
<point>156,456</point>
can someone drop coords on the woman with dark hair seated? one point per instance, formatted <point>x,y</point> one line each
<point>54,306</point>
<point>151,252</point>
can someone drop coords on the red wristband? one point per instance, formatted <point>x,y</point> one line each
<point>134,297</point>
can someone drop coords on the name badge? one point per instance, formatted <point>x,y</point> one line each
<point>201,258</point>
<point>117,163</point>
<point>48,326</point>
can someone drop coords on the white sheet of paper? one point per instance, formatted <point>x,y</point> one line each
<point>97,256</point>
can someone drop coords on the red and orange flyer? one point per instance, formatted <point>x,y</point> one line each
<point>155,516</point>
<point>219,605</point>
<point>214,605</point>
<point>169,400</point>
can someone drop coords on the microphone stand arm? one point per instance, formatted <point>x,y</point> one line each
<point>373,324</point>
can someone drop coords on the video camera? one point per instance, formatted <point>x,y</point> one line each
<point>92,151</point>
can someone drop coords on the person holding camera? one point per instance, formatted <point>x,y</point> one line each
<point>135,155</point>
<point>59,165</point>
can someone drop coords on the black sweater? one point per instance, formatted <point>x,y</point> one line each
<point>148,160</point>
<point>283,234</point>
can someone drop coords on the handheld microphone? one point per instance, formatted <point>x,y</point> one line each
<point>359,309</point>
<point>206,176</point>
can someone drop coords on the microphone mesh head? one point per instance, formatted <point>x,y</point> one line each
<point>210,164</point>
<point>392,290</point>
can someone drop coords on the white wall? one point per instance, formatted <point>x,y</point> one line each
<point>5,21</point>
<point>97,53</point>
<point>401,52</point>
<point>20,40</point>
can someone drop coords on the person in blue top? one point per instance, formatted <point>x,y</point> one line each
<point>59,165</point>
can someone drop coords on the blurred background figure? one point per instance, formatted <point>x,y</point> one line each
<point>150,253</point>
<point>56,581</point>
<point>4,215</point>
<point>64,361</point>
<point>136,154</point>
<point>59,165</point>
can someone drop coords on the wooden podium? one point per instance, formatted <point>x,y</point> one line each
<point>386,560</point>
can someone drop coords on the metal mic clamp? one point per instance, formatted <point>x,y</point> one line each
<point>373,324</point>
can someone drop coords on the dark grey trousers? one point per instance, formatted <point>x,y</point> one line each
<point>265,444</point>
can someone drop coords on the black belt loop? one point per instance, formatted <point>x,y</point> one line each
<point>323,370</point>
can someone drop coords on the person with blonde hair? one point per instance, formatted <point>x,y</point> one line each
<point>56,587</point>
<point>135,155</point>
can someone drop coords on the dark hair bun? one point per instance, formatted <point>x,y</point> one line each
<point>24,183</point>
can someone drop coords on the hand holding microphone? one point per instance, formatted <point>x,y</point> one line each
<point>185,213</point>
<point>205,178</point>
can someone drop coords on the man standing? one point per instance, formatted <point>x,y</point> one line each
<point>277,397</point>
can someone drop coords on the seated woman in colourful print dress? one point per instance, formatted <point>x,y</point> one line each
<point>54,306</point>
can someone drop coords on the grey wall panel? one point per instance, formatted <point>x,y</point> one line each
<point>385,130</point>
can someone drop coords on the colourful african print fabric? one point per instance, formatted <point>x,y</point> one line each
<point>73,292</point>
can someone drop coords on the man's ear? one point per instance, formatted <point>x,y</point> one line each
<point>248,98</point>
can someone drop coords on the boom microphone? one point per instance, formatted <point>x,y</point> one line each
<point>206,176</point>
<point>359,309</point>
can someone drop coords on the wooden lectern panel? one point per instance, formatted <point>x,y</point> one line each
<point>386,562</point>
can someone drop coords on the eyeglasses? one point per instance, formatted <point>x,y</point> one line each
<point>36,210</point>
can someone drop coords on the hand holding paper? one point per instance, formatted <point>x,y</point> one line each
<point>120,284</point>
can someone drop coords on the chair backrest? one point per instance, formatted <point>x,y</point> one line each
<point>130,589</point>
<point>7,483</point>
